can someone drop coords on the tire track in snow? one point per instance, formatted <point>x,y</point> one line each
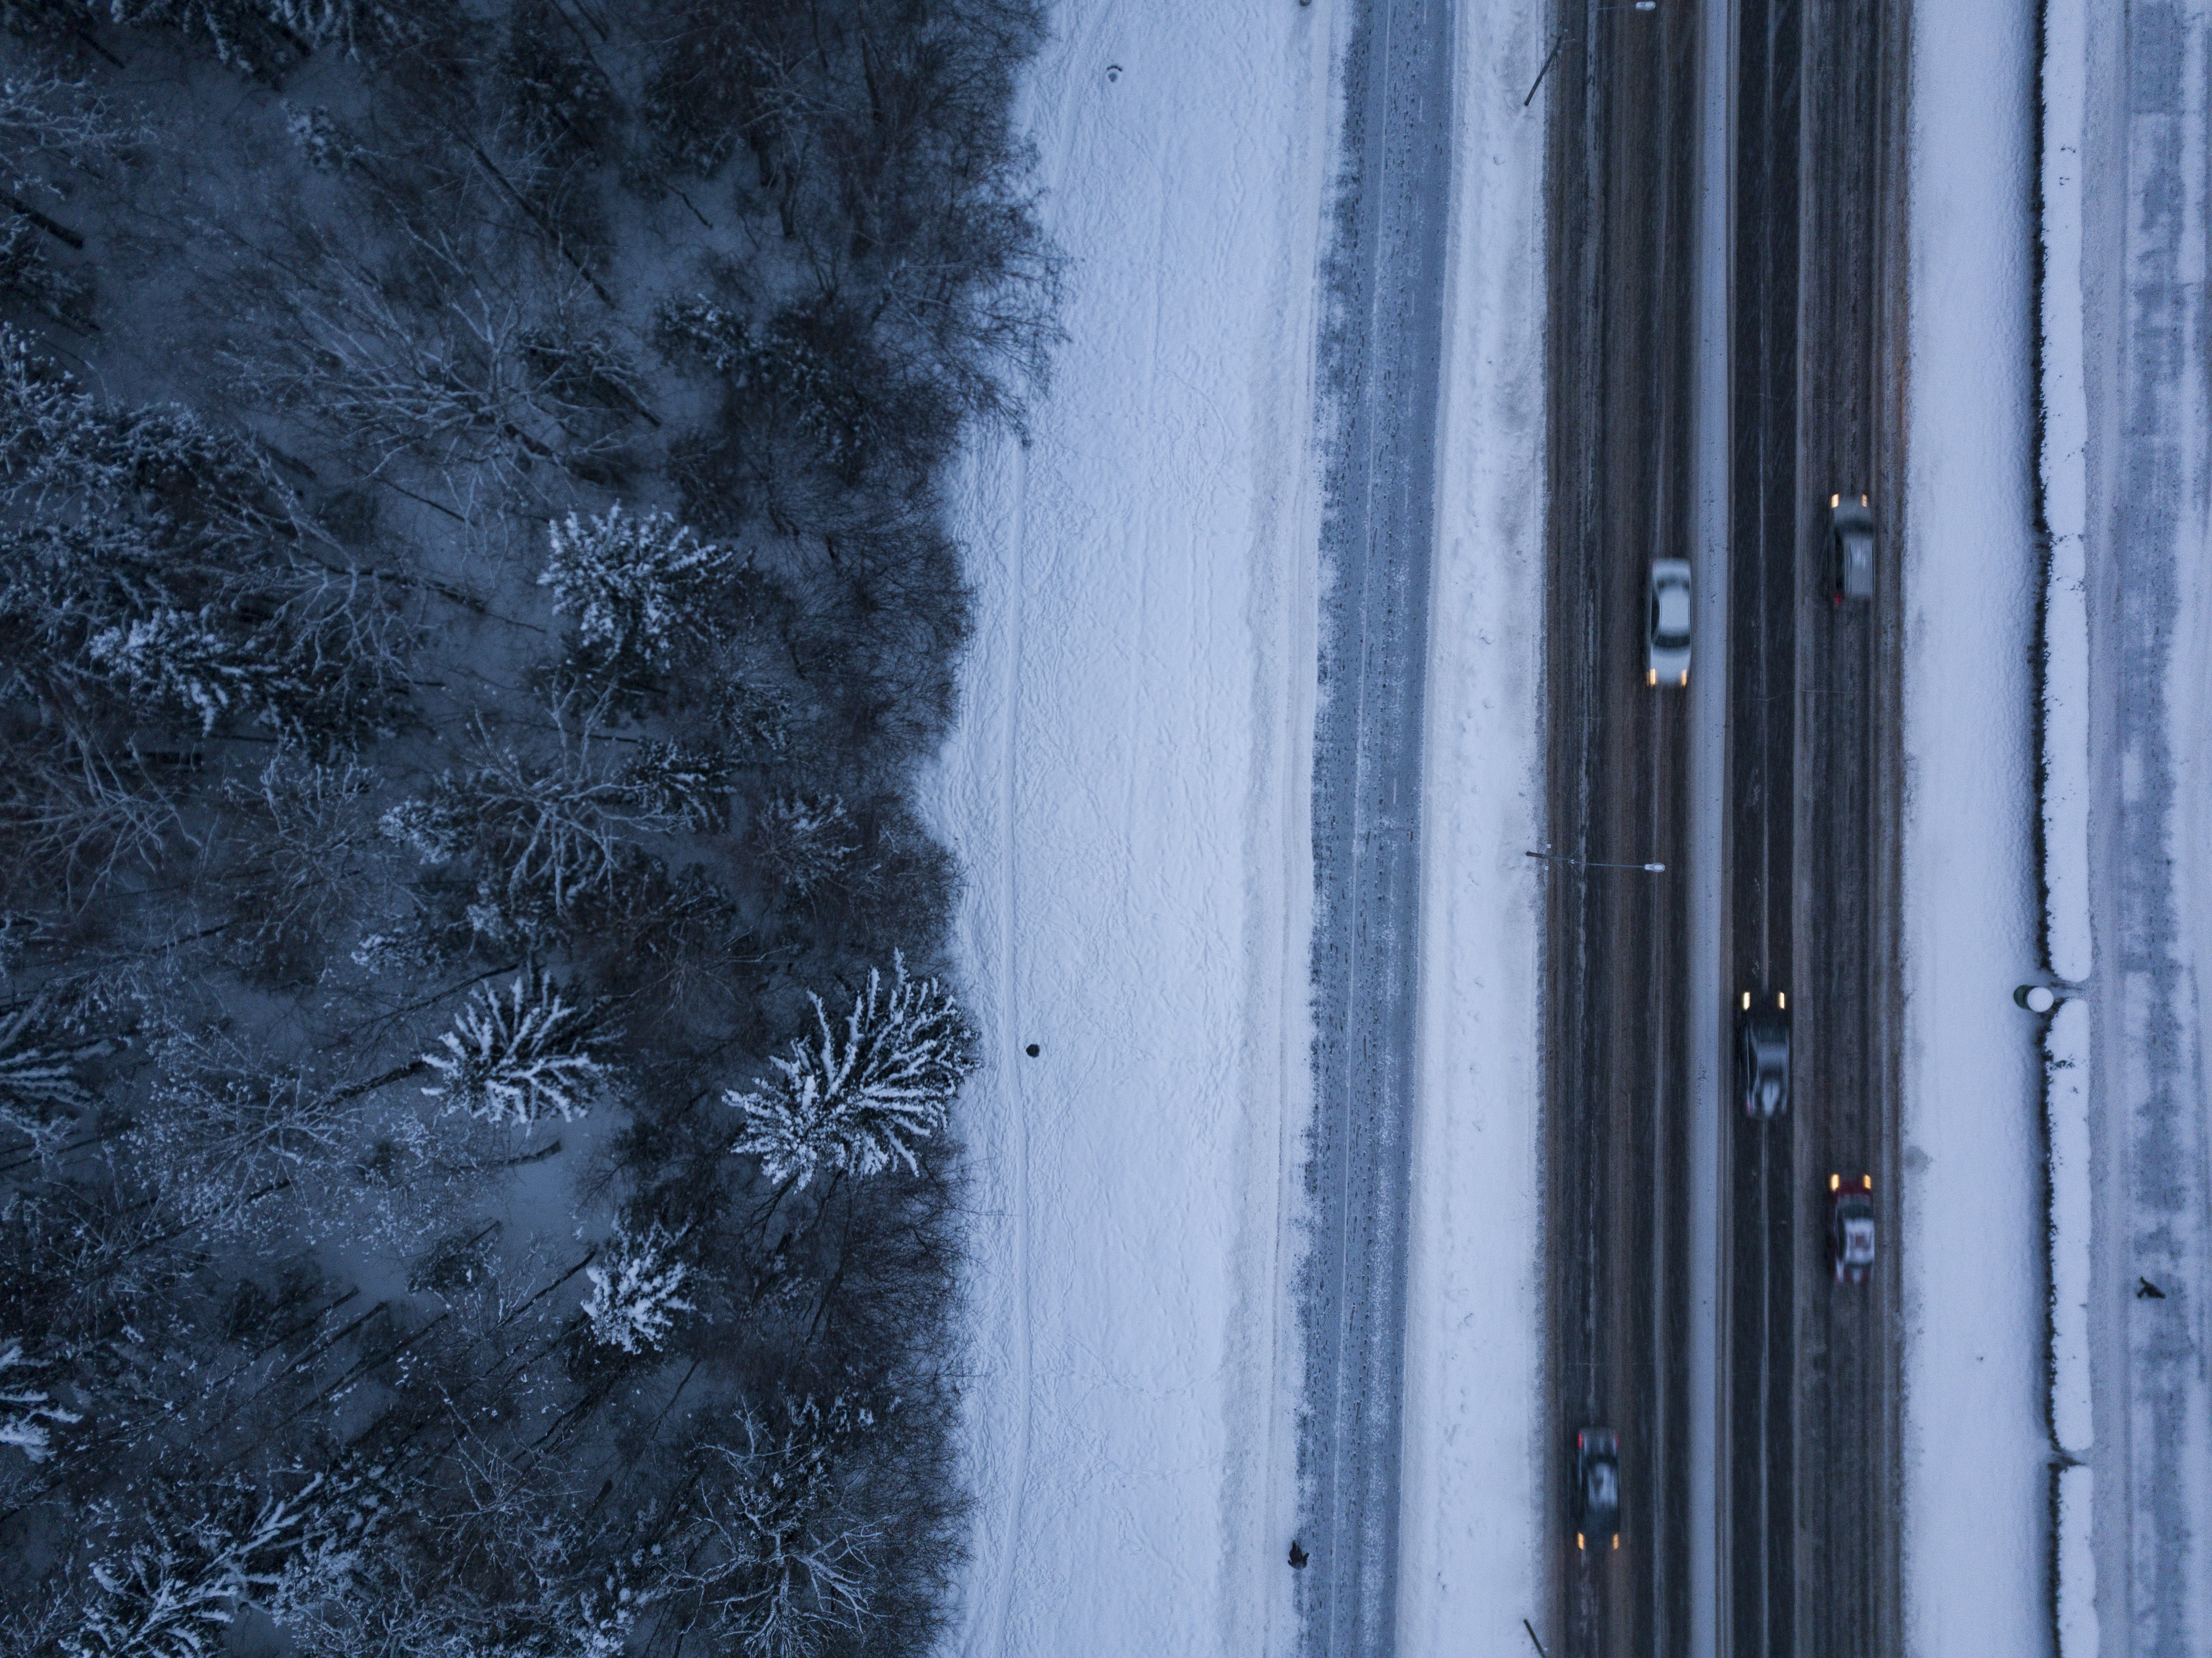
<point>993,1638</point>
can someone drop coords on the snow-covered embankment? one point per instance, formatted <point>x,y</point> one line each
<point>2063,672</point>
<point>1976,1486</point>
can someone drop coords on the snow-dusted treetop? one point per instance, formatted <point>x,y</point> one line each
<point>631,583</point>
<point>25,1411</point>
<point>634,1298</point>
<point>520,1057</point>
<point>856,1099</point>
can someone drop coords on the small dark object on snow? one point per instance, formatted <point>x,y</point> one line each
<point>1031,1050</point>
<point>2149,1291</point>
<point>1299,1556</point>
<point>1113,72</point>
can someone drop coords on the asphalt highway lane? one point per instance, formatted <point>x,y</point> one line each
<point>1624,110</point>
<point>1809,1366</point>
<point>1849,768</point>
<point>1808,1437</point>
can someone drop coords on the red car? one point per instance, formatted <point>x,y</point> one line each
<point>1851,1226</point>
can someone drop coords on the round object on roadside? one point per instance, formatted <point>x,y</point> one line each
<point>2040,998</point>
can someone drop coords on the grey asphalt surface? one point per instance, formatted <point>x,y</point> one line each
<point>1810,1369</point>
<point>1624,115</point>
<point>1379,363</point>
<point>1808,1381</point>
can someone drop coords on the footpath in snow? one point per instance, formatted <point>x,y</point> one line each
<point>1129,793</point>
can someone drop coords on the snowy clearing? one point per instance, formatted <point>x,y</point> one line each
<point>1128,792</point>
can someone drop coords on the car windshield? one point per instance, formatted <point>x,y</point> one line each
<point>1604,1486</point>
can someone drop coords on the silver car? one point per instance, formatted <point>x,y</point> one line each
<point>1850,541</point>
<point>1667,636</point>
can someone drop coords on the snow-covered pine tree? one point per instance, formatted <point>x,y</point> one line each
<point>194,665</point>
<point>25,1411</point>
<point>636,584</point>
<point>521,1057</point>
<point>803,840</point>
<point>855,1100</point>
<point>149,568</point>
<point>634,1299</point>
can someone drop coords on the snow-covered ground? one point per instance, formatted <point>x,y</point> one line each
<point>2145,155</point>
<point>1129,793</point>
<point>1976,1491</point>
<point>1469,1559</point>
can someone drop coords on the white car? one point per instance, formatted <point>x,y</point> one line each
<point>1667,637</point>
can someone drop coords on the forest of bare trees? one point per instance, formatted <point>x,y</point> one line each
<point>476,1039</point>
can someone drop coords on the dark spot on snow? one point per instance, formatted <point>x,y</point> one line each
<point>1113,72</point>
<point>1299,1556</point>
<point>1031,1050</point>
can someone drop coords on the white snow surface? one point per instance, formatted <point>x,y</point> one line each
<point>1976,1494</point>
<point>2066,1048</point>
<point>2065,496</point>
<point>1469,1554</point>
<point>2077,1562</point>
<point>1129,792</point>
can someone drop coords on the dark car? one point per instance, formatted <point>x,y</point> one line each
<point>1851,539</point>
<point>1763,1058</point>
<point>1851,1226</point>
<point>1597,1486</point>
